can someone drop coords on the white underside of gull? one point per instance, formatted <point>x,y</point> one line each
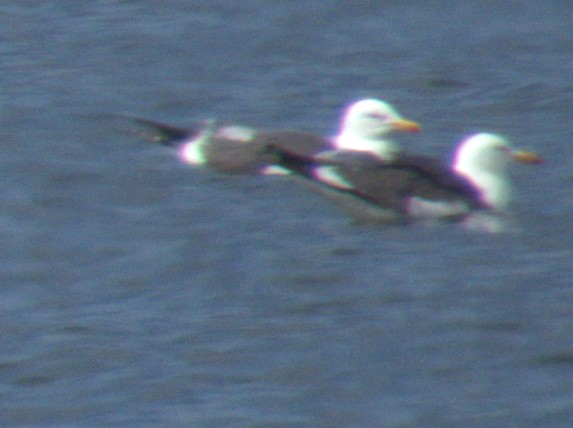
<point>419,208</point>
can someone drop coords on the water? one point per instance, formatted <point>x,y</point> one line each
<point>139,292</point>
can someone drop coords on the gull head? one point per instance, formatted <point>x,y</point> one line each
<point>367,122</point>
<point>483,159</point>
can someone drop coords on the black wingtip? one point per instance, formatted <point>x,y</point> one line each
<point>292,161</point>
<point>154,131</point>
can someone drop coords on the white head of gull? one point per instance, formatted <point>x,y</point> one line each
<point>483,159</point>
<point>366,125</point>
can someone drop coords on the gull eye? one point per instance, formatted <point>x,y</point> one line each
<point>379,116</point>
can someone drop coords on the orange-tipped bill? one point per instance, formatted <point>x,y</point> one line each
<point>526,157</point>
<point>406,126</point>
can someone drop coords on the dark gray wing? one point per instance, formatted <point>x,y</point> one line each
<point>238,155</point>
<point>430,178</point>
<point>386,184</point>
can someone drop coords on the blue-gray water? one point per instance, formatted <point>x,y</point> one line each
<point>135,291</point>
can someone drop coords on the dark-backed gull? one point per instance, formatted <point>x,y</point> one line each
<point>413,188</point>
<point>365,127</point>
